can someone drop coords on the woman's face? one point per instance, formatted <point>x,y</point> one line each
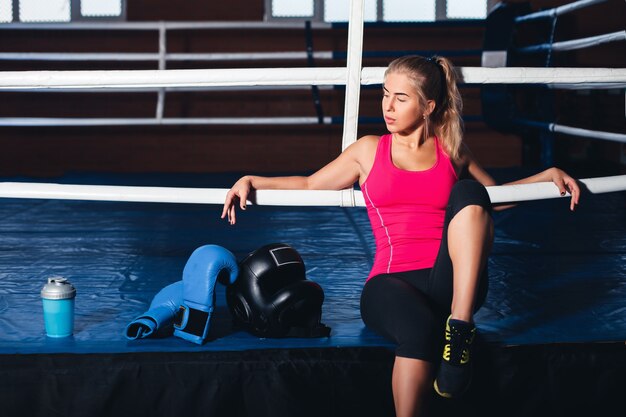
<point>401,108</point>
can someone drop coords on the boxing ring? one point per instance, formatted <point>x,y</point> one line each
<point>552,330</point>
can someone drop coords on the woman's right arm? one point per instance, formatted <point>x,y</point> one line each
<point>340,173</point>
<point>241,189</point>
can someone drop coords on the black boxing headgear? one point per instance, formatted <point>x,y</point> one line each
<point>272,297</point>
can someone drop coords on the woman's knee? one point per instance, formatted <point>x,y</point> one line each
<point>470,194</point>
<point>472,215</point>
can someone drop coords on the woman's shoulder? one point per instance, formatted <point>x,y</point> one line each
<point>368,144</point>
<point>363,150</point>
<point>365,144</point>
<point>370,139</point>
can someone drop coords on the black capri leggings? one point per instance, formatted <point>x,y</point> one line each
<point>410,308</point>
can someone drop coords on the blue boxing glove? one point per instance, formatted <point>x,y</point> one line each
<point>205,266</point>
<point>161,314</point>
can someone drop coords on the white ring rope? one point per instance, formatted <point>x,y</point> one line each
<point>578,86</point>
<point>151,56</point>
<point>182,25</point>
<point>177,89</point>
<point>171,121</point>
<point>576,44</point>
<point>574,131</point>
<point>594,134</point>
<point>498,194</point>
<point>238,77</point>
<point>590,86</point>
<point>559,11</point>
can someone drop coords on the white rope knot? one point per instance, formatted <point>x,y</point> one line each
<point>347,198</point>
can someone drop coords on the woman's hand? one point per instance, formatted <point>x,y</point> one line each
<point>566,184</point>
<point>240,190</point>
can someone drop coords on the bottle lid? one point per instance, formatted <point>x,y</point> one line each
<point>58,288</point>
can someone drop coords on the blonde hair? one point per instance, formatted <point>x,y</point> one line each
<point>435,79</point>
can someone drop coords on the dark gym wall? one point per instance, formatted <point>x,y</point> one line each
<point>140,10</point>
<point>55,151</point>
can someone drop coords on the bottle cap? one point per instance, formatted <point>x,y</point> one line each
<point>58,288</point>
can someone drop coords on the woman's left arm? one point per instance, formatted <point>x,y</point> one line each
<point>560,178</point>
<point>564,182</point>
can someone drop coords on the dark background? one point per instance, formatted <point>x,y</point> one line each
<point>55,151</point>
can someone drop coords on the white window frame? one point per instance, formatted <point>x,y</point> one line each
<point>318,11</point>
<point>75,15</point>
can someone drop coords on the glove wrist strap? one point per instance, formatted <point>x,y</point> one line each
<point>193,324</point>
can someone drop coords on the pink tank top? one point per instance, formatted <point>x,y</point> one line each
<point>406,210</point>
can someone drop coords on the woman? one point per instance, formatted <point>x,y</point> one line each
<point>433,229</point>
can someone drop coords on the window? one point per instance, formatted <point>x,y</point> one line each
<point>339,11</point>
<point>379,10</point>
<point>44,11</point>
<point>33,11</point>
<point>466,9</point>
<point>409,11</point>
<point>101,7</point>
<point>6,11</point>
<point>292,8</point>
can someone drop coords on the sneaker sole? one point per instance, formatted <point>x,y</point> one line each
<point>442,394</point>
<point>449,395</point>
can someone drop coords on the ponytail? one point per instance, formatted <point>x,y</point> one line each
<point>435,79</point>
<point>447,117</point>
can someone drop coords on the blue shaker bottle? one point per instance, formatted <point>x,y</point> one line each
<point>58,307</point>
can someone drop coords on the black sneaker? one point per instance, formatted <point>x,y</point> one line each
<point>455,371</point>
